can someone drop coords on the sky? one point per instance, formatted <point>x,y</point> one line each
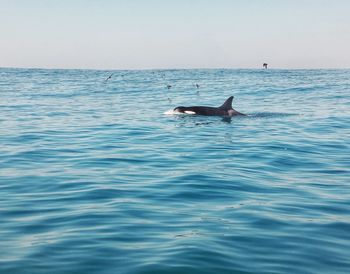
<point>161,34</point>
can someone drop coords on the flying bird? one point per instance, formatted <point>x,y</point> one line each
<point>109,77</point>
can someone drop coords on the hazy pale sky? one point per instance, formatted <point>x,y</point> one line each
<point>142,34</point>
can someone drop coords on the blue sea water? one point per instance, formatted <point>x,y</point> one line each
<point>95,178</point>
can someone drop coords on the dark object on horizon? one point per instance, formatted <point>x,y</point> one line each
<point>109,77</point>
<point>265,65</point>
<point>168,86</point>
<point>197,86</point>
<point>224,110</point>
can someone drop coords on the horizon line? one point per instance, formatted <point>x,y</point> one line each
<point>177,68</point>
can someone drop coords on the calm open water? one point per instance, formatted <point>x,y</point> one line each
<point>95,178</point>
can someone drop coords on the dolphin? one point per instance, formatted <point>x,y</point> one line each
<point>224,110</point>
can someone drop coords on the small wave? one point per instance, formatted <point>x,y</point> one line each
<point>270,115</point>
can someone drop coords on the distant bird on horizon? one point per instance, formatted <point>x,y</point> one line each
<point>265,65</point>
<point>168,86</point>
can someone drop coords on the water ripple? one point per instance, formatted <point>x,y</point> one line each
<point>94,178</point>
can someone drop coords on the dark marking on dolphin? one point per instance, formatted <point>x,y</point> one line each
<point>224,110</point>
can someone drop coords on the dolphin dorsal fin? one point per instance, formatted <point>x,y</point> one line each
<point>227,104</point>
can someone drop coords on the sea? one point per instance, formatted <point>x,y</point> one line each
<point>97,175</point>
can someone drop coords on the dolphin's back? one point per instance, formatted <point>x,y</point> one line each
<point>224,110</point>
<point>207,111</point>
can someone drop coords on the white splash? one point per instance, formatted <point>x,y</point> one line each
<point>171,112</point>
